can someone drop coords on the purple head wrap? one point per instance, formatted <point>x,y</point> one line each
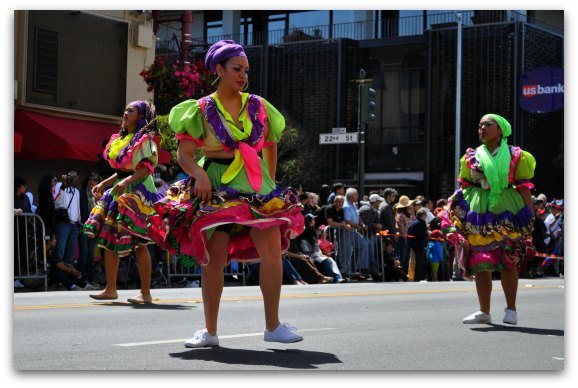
<point>222,50</point>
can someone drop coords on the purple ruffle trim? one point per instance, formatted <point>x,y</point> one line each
<point>521,219</point>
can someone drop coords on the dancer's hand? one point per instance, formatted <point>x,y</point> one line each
<point>97,190</point>
<point>121,186</point>
<point>202,187</point>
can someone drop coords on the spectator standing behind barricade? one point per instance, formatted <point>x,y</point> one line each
<point>436,249</point>
<point>369,214</point>
<point>310,247</point>
<point>554,224</point>
<point>337,189</point>
<point>489,219</point>
<point>357,243</point>
<point>336,220</point>
<point>324,192</point>
<point>21,205</point>
<point>418,244</point>
<point>118,221</point>
<point>428,205</point>
<point>313,202</point>
<point>393,270</point>
<point>403,219</point>
<point>322,202</point>
<point>304,200</point>
<point>67,203</point>
<point>87,245</point>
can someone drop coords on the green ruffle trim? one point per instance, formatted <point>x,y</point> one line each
<point>485,267</point>
<point>186,260</point>
<point>131,225</point>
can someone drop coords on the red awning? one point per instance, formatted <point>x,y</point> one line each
<point>51,137</point>
<point>17,142</point>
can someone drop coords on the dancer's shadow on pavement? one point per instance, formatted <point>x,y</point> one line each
<point>282,358</point>
<point>527,330</point>
<point>149,306</point>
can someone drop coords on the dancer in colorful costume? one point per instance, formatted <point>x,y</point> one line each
<point>118,221</point>
<point>490,219</point>
<point>230,208</point>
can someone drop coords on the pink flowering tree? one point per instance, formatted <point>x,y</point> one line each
<point>174,82</point>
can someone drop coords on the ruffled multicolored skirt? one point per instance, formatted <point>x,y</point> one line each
<point>488,239</point>
<point>119,223</point>
<point>183,225</point>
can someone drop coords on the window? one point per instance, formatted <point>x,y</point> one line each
<point>214,31</point>
<point>45,61</point>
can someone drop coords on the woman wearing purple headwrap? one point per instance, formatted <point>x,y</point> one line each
<point>490,219</point>
<point>231,208</point>
<point>118,221</point>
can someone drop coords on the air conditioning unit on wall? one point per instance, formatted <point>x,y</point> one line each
<point>142,36</point>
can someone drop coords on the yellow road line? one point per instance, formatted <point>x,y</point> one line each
<point>258,297</point>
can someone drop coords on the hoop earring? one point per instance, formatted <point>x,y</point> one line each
<point>246,85</point>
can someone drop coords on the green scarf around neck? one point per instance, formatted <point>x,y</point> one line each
<point>496,169</point>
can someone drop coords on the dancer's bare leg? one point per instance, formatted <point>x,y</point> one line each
<point>111,261</point>
<point>212,279</point>
<point>143,260</point>
<point>484,289</point>
<point>509,278</point>
<point>268,244</point>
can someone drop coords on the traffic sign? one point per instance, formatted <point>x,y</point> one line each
<point>338,138</point>
<point>339,130</point>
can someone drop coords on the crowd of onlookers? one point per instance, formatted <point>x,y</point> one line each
<point>379,237</point>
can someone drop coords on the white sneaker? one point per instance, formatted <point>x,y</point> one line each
<point>511,317</point>
<point>74,287</point>
<point>90,287</point>
<point>478,317</point>
<point>284,333</point>
<point>202,339</point>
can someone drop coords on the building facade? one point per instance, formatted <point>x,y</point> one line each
<point>75,71</point>
<point>308,64</point>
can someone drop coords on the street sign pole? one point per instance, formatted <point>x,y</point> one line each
<point>361,139</point>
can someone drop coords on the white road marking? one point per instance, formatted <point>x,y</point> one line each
<point>558,358</point>
<point>220,338</point>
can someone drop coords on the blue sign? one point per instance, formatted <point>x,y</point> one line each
<point>542,90</point>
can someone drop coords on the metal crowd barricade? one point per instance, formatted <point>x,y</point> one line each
<point>175,269</point>
<point>30,248</point>
<point>351,249</point>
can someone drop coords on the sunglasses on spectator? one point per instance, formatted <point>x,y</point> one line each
<point>487,124</point>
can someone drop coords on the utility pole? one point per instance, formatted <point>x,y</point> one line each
<point>458,100</point>
<point>361,138</point>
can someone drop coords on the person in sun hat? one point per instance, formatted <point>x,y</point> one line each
<point>230,208</point>
<point>403,218</point>
<point>490,218</point>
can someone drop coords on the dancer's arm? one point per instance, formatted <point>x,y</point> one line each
<point>99,188</point>
<point>140,174</point>
<point>186,159</point>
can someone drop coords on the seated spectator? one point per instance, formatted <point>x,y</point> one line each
<point>309,246</point>
<point>393,271</point>
<point>305,265</point>
<point>65,273</point>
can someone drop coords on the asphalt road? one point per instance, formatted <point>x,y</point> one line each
<point>355,326</point>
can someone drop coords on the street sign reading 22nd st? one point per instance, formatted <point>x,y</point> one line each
<point>338,138</point>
